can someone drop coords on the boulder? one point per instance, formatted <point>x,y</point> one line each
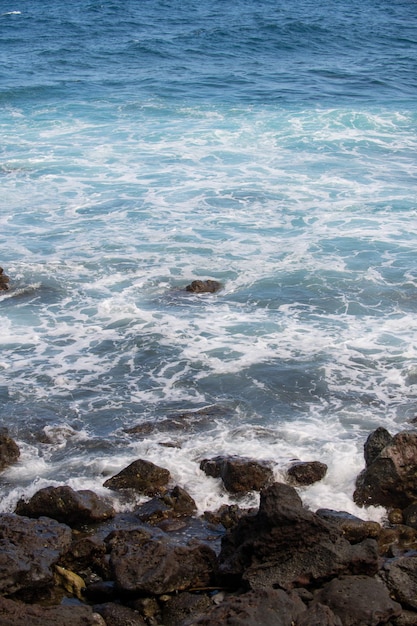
<point>306,473</point>
<point>359,600</point>
<point>266,607</point>
<point>239,474</point>
<point>67,506</point>
<point>4,280</point>
<point>353,528</point>
<point>285,545</point>
<point>119,615</point>
<point>204,286</point>
<point>376,442</point>
<point>390,479</point>
<point>29,550</point>
<point>400,576</point>
<point>142,476</point>
<point>143,565</point>
<point>175,503</point>
<point>9,451</point>
<point>14,613</point>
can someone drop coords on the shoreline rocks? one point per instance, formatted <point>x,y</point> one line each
<point>4,280</point>
<point>162,565</point>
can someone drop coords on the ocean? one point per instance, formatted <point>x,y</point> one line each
<point>268,145</point>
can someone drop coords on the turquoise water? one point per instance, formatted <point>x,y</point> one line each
<point>269,146</point>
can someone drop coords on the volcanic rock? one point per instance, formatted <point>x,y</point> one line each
<point>17,613</point>
<point>175,503</point>
<point>142,476</point>
<point>359,600</point>
<point>204,286</point>
<point>307,472</point>
<point>239,475</point>
<point>29,550</point>
<point>66,506</point>
<point>141,564</point>
<point>400,576</point>
<point>4,280</point>
<point>9,451</point>
<point>390,479</point>
<point>285,545</point>
<point>119,615</point>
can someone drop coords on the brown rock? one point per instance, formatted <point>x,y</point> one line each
<point>9,451</point>
<point>390,480</point>
<point>353,528</point>
<point>119,615</point>
<point>286,545</point>
<point>19,614</point>
<point>400,576</point>
<point>359,600</point>
<point>307,472</point>
<point>239,475</point>
<point>142,476</point>
<point>319,615</point>
<point>29,550</point>
<point>144,565</point>
<point>204,286</point>
<point>66,506</point>
<point>4,280</point>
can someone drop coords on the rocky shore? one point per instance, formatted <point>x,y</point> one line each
<point>68,559</point>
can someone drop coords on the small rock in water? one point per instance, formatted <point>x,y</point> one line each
<point>9,451</point>
<point>204,286</point>
<point>4,280</point>
<point>307,472</point>
<point>239,475</point>
<point>142,476</point>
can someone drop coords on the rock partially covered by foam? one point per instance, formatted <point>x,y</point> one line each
<point>204,286</point>
<point>9,451</point>
<point>142,476</point>
<point>67,506</point>
<point>390,476</point>
<point>239,474</point>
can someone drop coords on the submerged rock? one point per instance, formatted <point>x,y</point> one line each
<point>9,451</point>
<point>239,475</point>
<point>204,286</point>
<point>142,476</point>
<point>67,506</point>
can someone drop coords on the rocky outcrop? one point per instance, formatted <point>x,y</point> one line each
<point>239,475</point>
<point>4,280</point>
<point>285,545</point>
<point>390,476</point>
<point>141,476</point>
<point>9,451</point>
<point>204,286</point>
<point>67,506</point>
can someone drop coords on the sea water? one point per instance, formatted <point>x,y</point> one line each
<point>268,145</point>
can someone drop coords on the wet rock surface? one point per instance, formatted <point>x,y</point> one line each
<point>163,565</point>
<point>239,475</point>
<point>306,473</point>
<point>204,286</point>
<point>4,280</point>
<point>9,451</point>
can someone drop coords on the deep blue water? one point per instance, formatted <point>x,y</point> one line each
<point>268,145</point>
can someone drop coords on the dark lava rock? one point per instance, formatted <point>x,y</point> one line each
<point>353,528</point>
<point>359,600</point>
<point>184,606</point>
<point>376,442</point>
<point>29,549</point>
<point>239,475</point>
<point>307,472</point>
<point>141,564</point>
<point>319,615</point>
<point>175,503</point>
<point>9,451</point>
<point>410,515</point>
<point>390,480</point>
<point>19,614</point>
<point>400,576</point>
<point>228,515</point>
<point>285,545</point>
<point>266,607</point>
<point>4,280</point>
<point>119,615</point>
<point>66,506</point>
<point>204,286</point>
<point>142,476</point>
